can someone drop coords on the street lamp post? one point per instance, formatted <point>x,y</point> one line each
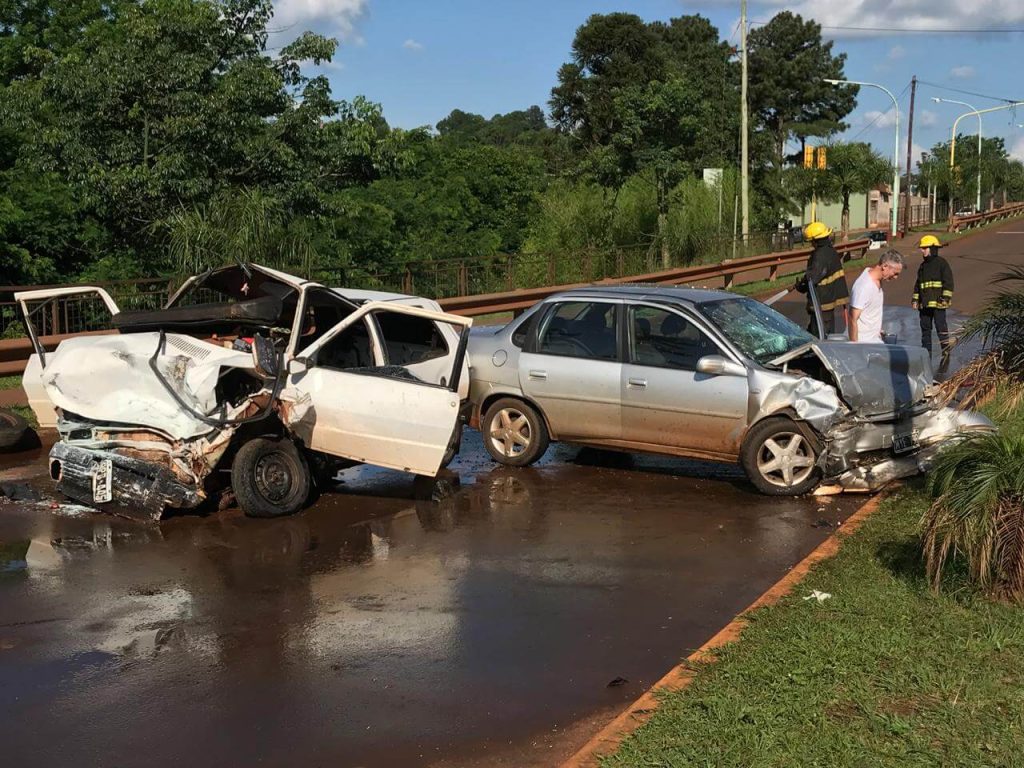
<point>895,148</point>
<point>952,139</point>
<point>974,110</point>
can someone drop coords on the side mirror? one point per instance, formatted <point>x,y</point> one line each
<point>716,365</point>
<point>298,365</point>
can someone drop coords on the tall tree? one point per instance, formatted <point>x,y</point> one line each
<point>655,97</point>
<point>788,62</point>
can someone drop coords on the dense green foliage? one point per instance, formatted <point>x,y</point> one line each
<point>1002,178</point>
<point>159,137</point>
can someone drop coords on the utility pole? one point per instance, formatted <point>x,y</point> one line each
<point>744,157</point>
<point>907,218</point>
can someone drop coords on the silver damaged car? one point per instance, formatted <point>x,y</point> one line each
<point>709,375</point>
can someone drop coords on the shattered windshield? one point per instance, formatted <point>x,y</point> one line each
<point>759,331</point>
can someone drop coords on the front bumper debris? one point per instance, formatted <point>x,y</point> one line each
<point>131,487</point>
<point>934,430</point>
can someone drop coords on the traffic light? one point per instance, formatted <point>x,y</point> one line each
<point>821,159</point>
<point>808,156</point>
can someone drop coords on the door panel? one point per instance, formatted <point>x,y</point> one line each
<point>374,412</point>
<point>573,371</point>
<point>379,420</point>
<point>664,400</point>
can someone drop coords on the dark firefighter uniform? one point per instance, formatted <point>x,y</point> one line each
<point>933,293</point>
<point>825,272</point>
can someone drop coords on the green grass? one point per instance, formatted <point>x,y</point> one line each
<point>10,382</point>
<point>886,673</point>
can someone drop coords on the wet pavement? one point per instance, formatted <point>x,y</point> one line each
<point>478,621</point>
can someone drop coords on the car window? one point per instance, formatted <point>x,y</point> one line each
<point>756,329</point>
<point>580,329</point>
<point>350,349</point>
<point>321,311</point>
<point>667,340</point>
<point>409,339</point>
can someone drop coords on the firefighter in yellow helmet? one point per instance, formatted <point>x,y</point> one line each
<point>933,293</point>
<point>825,272</point>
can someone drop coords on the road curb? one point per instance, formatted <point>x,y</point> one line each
<point>679,677</point>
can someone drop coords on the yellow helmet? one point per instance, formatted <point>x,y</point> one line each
<point>816,230</point>
<point>929,241</point>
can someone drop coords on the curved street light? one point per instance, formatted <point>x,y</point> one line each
<point>974,110</point>
<point>895,149</point>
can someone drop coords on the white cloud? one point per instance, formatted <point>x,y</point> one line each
<point>1017,150</point>
<point>926,118</point>
<point>962,73</point>
<point>338,18</point>
<point>860,17</point>
<point>896,52</point>
<point>412,45</point>
<point>878,119</point>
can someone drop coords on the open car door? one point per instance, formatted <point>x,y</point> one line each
<point>40,311</point>
<point>346,396</point>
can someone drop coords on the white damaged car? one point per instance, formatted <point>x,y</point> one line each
<point>248,378</point>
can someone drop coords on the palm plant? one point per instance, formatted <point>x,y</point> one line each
<point>1000,328</point>
<point>978,513</point>
<point>239,225</point>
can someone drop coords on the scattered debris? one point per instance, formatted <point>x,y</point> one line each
<point>18,492</point>
<point>821,597</point>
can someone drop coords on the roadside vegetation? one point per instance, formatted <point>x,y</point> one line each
<point>887,672</point>
<point>143,139</point>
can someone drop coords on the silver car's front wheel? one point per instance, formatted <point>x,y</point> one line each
<point>779,459</point>
<point>514,432</point>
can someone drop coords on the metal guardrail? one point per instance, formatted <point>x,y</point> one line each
<point>14,353</point>
<point>512,301</point>
<point>980,219</point>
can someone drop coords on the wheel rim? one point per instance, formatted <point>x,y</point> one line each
<point>274,475</point>
<point>785,459</point>
<point>510,432</point>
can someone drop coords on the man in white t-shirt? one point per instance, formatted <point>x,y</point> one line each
<point>867,299</point>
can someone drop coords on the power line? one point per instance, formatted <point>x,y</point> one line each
<point>905,30</point>
<point>969,93</point>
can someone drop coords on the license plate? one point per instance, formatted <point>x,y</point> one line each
<point>904,443</point>
<point>102,481</point>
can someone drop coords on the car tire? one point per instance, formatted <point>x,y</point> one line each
<point>12,429</point>
<point>514,433</point>
<point>779,459</point>
<point>270,478</point>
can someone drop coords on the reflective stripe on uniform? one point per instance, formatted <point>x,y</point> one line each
<point>832,278</point>
<point>834,304</point>
<point>931,284</point>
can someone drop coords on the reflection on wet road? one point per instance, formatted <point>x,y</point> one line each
<point>473,622</point>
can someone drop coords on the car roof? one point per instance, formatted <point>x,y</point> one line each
<point>648,291</point>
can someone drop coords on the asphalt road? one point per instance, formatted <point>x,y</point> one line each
<point>495,618</point>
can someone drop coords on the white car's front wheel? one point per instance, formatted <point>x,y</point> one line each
<point>779,459</point>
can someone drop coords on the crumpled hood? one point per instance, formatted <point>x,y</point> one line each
<point>872,379</point>
<point>108,379</point>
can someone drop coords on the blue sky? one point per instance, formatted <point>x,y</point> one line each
<point>422,59</point>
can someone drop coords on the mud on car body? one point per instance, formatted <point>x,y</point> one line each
<point>709,375</point>
<point>248,378</point>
